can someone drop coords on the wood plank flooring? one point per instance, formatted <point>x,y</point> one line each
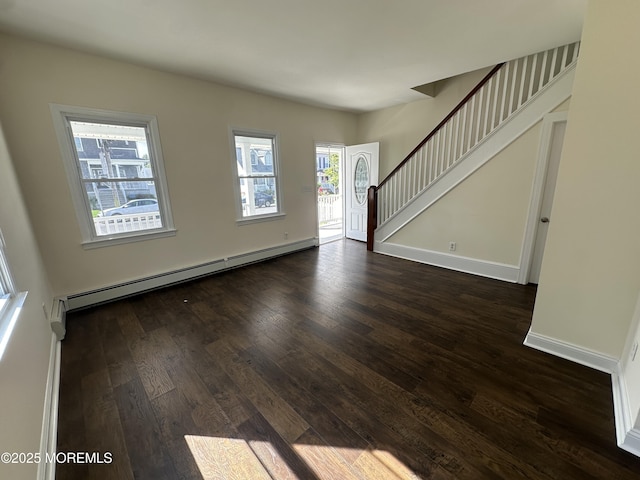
<point>332,363</point>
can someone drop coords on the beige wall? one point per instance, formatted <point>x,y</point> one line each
<point>399,129</point>
<point>590,275</point>
<point>194,119</point>
<point>24,366</point>
<point>486,214</point>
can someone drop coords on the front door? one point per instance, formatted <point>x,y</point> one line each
<point>361,173</point>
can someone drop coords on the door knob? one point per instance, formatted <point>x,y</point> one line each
<point>544,219</point>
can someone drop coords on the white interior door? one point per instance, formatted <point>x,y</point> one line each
<point>555,151</point>
<point>360,173</point>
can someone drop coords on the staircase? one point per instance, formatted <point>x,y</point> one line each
<point>511,98</point>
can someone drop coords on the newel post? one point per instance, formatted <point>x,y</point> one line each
<point>372,215</point>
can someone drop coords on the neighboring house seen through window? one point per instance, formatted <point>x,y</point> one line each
<point>257,174</point>
<point>115,171</point>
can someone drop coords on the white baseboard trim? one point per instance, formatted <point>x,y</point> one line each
<point>499,271</point>
<point>568,351</point>
<point>49,434</point>
<point>107,294</point>
<point>628,437</point>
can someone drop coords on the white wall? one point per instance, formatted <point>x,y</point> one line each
<point>590,276</point>
<point>25,363</point>
<point>399,129</point>
<point>194,119</point>
<point>486,214</point>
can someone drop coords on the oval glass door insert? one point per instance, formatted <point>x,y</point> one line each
<point>361,180</point>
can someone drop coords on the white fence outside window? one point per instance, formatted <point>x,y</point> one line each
<point>127,223</point>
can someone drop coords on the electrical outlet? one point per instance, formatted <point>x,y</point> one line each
<point>452,246</point>
<point>634,350</point>
<point>286,235</point>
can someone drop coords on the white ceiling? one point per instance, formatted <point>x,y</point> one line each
<point>356,55</point>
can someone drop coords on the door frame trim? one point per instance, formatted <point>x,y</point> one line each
<point>537,191</point>
<point>329,145</point>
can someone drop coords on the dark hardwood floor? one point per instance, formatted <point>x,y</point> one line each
<point>332,363</point>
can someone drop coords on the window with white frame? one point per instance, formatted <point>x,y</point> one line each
<point>256,161</point>
<point>10,300</point>
<point>115,170</point>
<point>7,290</point>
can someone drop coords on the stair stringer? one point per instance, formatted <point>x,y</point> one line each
<point>510,130</point>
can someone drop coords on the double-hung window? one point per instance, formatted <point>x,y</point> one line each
<point>7,289</point>
<point>10,300</point>
<point>256,169</point>
<point>116,175</point>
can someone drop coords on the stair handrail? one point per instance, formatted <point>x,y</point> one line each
<point>449,116</point>
<point>372,202</point>
<point>437,152</point>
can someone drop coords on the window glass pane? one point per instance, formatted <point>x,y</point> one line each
<point>125,198</point>
<point>257,174</point>
<point>254,156</point>
<point>6,285</point>
<point>111,151</point>
<point>130,199</point>
<point>259,196</point>
<point>115,167</point>
<point>130,216</point>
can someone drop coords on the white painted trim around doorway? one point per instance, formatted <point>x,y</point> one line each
<point>337,146</point>
<point>528,244</point>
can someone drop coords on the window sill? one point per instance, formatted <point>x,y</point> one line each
<point>139,237</point>
<point>260,218</point>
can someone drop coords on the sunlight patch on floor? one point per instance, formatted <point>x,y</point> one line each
<point>227,458</point>
<point>231,458</point>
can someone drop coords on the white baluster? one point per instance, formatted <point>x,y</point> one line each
<point>505,86</point>
<point>487,107</point>
<point>404,186</point>
<point>543,70</point>
<point>523,76</point>
<point>427,164</point>
<point>494,105</point>
<point>514,78</point>
<point>554,64</point>
<point>532,76</point>
<point>448,133</point>
<point>456,145</point>
<point>463,136</point>
<point>432,159</point>
<point>472,121</point>
<point>479,117</point>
